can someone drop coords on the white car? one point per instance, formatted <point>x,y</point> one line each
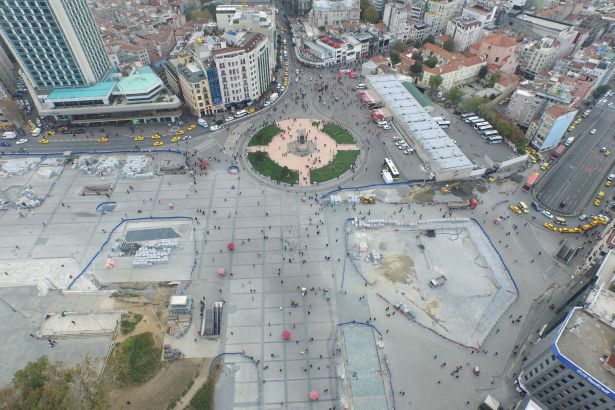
<point>21,141</point>
<point>267,103</point>
<point>408,151</point>
<point>229,119</point>
<point>593,131</point>
<point>547,214</point>
<point>602,149</point>
<point>186,137</point>
<point>386,127</point>
<point>382,123</point>
<point>401,147</point>
<point>215,127</point>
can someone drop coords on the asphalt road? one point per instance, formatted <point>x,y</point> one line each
<point>577,175</point>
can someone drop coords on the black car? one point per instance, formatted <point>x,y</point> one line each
<point>79,131</point>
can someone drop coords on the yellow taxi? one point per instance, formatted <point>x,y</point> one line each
<point>587,227</point>
<point>608,183</point>
<point>180,132</point>
<point>63,129</point>
<point>175,139</point>
<point>50,133</point>
<point>544,166</point>
<point>191,127</point>
<point>607,153</point>
<point>43,141</point>
<point>550,227</point>
<point>158,143</point>
<point>569,230</point>
<point>600,220</point>
<point>156,136</point>
<point>139,138</point>
<point>597,202</point>
<point>515,209</point>
<point>572,127</point>
<point>251,110</point>
<point>103,139</point>
<point>523,207</point>
<point>491,179</point>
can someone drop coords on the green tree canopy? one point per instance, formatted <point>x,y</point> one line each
<point>435,81</point>
<point>472,104</point>
<point>449,45</point>
<point>371,15</point>
<point>454,95</point>
<point>493,78</point>
<point>416,68</point>
<point>394,55</point>
<point>432,61</point>
<point>482,73</point>
<point>600,91</point>
<point>400,46</point>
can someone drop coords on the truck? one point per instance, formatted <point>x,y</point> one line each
<point>439,281</point>
<point>387,177</point>
<point>273,97</point>
<point>9,135</point>
<point>469,203</point>
<point>558,151</point>
<point>569,141</point>
<point>202,122</point>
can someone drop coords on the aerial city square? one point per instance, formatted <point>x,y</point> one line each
<point>307,204</point>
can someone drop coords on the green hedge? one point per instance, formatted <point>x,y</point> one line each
<point>340,164</point>
<point>264,135</point>
<point>269,168</point>
<point>339,134</point>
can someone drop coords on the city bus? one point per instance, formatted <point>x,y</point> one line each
<point>480,124</point>
<point>467,120</point>
<point>467,114</point>
<point>390,166</point>
<point>485,127</point>
<point>531,181</point>
<point>444,124</point>
<point>489,133</point>
<point>495,139</point>
<point>476,121</point>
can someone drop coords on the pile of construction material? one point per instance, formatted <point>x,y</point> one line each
<point>97,165</point>
<point>178,324</point>
<point>16,167</point>
<point>171,354</point>
<point>29,199</point>
<point>154,252</point>
<point>137,167</point>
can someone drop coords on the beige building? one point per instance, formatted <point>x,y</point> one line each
<point>454,68</point>
<point>536,56</point>
<point>523,106</point>
<point>325,12</point>
<point>465,31</point>
<point>440,12</point>
<point>396,17</point>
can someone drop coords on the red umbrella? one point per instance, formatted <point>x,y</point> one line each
<point>221,271</point>
<point>473,203</point>
<point>286,335</point>
<point>314,395</point>
<point>231,246</point>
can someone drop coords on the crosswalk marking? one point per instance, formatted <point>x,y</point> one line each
<point>205,145</point>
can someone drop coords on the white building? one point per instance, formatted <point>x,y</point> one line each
<point>396,17</point>
<point>334,12</point>
<point>440,13</point>
<point>464,31</point>
<point>486,16</point>
<point>536,56</point>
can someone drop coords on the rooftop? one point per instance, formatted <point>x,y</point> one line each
<point>500,40</point>
<point>584,342</point>
<point>143,79</point>
<point>557,110</point>
<point>543,22</point>
<point>99,90</point>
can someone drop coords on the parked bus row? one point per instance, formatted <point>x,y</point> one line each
<point>485,130</point>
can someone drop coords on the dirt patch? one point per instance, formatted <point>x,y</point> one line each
<point>397,268</point>
<point>171,381</point>
<point>419,194</point>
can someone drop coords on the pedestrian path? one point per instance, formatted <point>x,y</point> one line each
<point>206,145</point>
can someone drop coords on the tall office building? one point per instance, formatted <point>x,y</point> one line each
<point>56,42</point>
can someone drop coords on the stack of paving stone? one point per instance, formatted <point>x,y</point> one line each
<point>171,354</point>
<point>16,167</point>
<point>154,252</point>
<point>178,324</point>
<point>29,199</point>
<point>137,167</point>
<point>98,166</point>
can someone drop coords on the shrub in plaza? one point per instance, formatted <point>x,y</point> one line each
<point>136,359</point>
<point>264,135</point>
<point>339,134</point>
<point>266,166</point>
<point>340,164</point>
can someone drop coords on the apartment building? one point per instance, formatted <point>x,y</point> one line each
<point>499,51</point>
<point>454,68</point>
<point>395,17</point>
<point>440,12</point>
<point>536,56</point>
<point>464,31</point>
<point>547,131</point>
<point>523,107</point>
<point>325,12</point>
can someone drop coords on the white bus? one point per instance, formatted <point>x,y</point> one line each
<point>476,121</point>
<point>495,139</point>
<point>480,124</point>
<point>485,127</point>
<point>444,124</point>
<point>467,114</point>
<point>390,166</point>
<point>467,120</point>
<point>489,133</point>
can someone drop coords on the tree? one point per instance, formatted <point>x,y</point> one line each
<point>199,15</point>
<point>371,15</point>
<point>400,46</point>
<point>482,73</point>
<point>600,91</point>
<point>454,95</point>
<point>472,104</point>
<point>259,156</point>
<point>45,385</point>
<point>493,78</point>
<point>431,62</point>
<point>416,68</point>
<point>449,45</point>
<point>394,55</point>
<point>285,172</point>
<point>435,81</point>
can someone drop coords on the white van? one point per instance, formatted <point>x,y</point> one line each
<point>361,86</point>
<point>495,140</point>
<point>241,113</point>
<point>9,135</point>
<point>36,132</point>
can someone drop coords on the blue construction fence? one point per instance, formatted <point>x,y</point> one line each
<point>115,228</point>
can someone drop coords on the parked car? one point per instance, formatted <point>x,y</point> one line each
<point>215,128</point>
